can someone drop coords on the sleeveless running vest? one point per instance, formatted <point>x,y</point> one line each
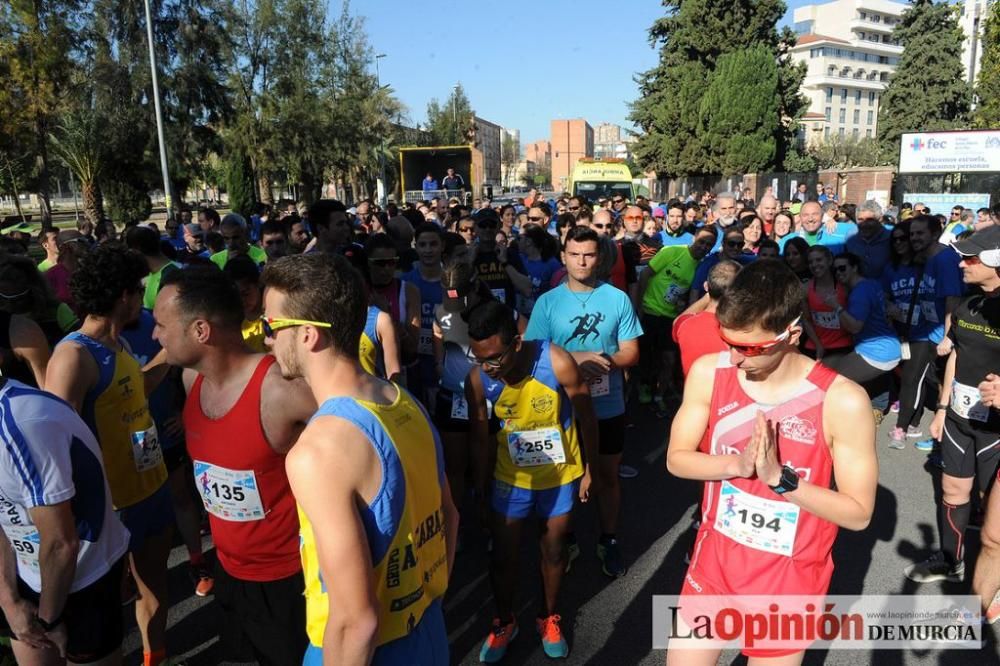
<point>538,446</point>
<point>825,322</point>
<point>618,277</point>
<point>116,411</point>
<point>370,345</point>
<point>404,524</point>
<point>241,481</point>
<point>752,540</point>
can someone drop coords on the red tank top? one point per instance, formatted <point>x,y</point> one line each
<point>790,552</point>
<point>242,482</point>
<point>825,322</point>
<point>395,293</point>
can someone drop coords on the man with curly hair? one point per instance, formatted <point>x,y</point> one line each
<point>94,372</point>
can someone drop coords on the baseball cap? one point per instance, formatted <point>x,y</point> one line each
<point>487,216</point>
<point>984,241</point>
<point>658,212</point>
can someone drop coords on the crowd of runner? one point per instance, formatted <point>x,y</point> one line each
<point>329,392</point>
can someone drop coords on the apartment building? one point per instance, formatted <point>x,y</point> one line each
<point>571,140</point>
<point>850,56</point>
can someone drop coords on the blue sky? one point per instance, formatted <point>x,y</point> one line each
<point>521,63</point>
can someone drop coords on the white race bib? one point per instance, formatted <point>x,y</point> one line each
<point>600,386</point>
<point>673,295</point>
<point>425,342</point>
<point>904,307</point>
<point>529,448</point>
<point>26,543</point>
<point>146,451</point>
<point>500,294</point>
<point>755,522</point>
<point>929,309</point>
<point>968,403</point>
<point>826,320</point>
<point>229,494</point>
<point>459,407</point>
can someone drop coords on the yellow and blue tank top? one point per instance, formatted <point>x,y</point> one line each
<point>536,404</point>
<point>404,524</point>
<point>117,413</point>
<point>370,345</point>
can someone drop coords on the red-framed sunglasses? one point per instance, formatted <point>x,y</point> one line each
<point>758,348</point>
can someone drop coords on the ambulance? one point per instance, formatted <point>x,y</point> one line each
<point>593,179</point>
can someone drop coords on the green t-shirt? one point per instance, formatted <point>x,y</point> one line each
<point>673,272</point>
<point>45,265</point>
<point>257,254</point>
<point>153,284</point>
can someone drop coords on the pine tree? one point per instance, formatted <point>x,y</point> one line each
<point>448,125</point>
<point>928,90</point>
<point>240,183</point>
<point>692,37</point>
<point>987,115</point>
<point>737,122</point>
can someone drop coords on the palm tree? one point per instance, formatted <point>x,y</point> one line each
<point>78,141</point>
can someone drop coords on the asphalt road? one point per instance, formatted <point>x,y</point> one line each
<point>609,621</point>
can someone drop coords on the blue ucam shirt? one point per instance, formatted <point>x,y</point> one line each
<point>877,340</point>
<point>942,278</point>
<point>874,254</point>
<point>835,241</point>
<point>597,321</point>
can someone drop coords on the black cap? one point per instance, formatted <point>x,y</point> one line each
<point>984,240</point>
<point>487,216</point>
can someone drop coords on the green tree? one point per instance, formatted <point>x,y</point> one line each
<point>738,124</point>
<point>987,115</point>
<point>692,36</point>
<point>240,183</point>
<point>928,90</point>
<point>838,152</point>
<point>510,157</point>
<point>80,142</point>
<point>37,43</point>
<point>448,124</point>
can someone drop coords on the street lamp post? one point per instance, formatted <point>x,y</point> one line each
<point>382,189</point>
<point>454,109</point>
<point>159,112</point>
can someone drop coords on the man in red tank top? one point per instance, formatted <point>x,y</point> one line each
<point>241,418</point>
<point>780,432</point>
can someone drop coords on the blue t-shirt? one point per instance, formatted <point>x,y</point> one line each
<point>835,241</point>
<point>874,254</point>
<point>942,278</point>
<point>877,339</point>
<point>430,298</point>
<point>540,271</point>
<point>684,238</point>
<point>597,322</point>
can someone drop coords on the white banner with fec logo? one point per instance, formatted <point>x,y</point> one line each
<point>870,622</point>
<point>950,152</point>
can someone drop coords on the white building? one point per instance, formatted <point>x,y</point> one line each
<point>609,142</point>
<point>850,55</point>
<point>974,13</point>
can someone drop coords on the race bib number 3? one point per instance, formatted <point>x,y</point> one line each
<point>229,494</point>
<point>146,451</point>
<point>26,543</point>
<point>755,522</point>
<point>968,403</point>
<point>600,386</point>
<point>530,448</point>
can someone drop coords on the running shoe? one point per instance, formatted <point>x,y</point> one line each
<point>914,432</point>
<point>610,556</point>
<point>645,394</point>
<point>897,439</point>
<point>627,472</point>
<point>894,408</point>
<point>935,568</point>
<point>553,643</point>
<point>495,646</point>
<point>924,444</point>
<point>204,582</point>
<point>572,552</point>
<point>993,612</point>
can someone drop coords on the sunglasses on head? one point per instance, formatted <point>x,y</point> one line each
<point>273,324</point>
<point>751,350</point>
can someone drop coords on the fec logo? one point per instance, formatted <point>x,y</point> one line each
<point>917,144</point>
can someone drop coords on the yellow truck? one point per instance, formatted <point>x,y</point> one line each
<point>592,179</point>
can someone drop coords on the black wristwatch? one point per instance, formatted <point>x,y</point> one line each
<point>941,407</point>
<point>49,626</point>
<point>788,482</point>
